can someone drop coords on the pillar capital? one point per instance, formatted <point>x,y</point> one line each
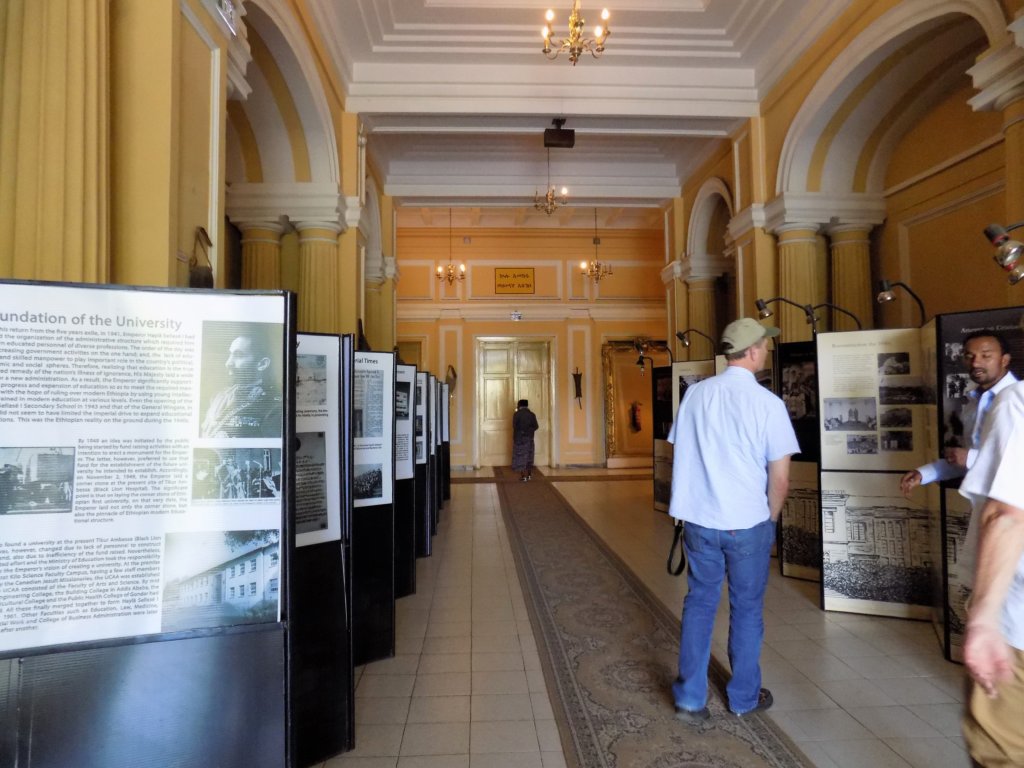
<point>302,201</point>
<point>751,217</point>
<point>671,272</point>
<point>999,74</point>
<point>270,226</point>
<point>820,210</point>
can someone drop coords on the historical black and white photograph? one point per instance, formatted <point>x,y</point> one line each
<point>369,481</point>
<point>893,363</point>
<point>901,390</point>
<point>850,414</point>
<point>953,352</point>
<point>36,480</point>
<point>896,416</point>
<point>236,474</point>
<point>800,524</point>
<point>310,382</point>
<point>956,386</point>
<point>368,404</point>
<point>403,390</point>
<point>859,445</point>
<point>220,578</point>
<point>897,440</point>
<point>240,385</point>
<point>876,547</point>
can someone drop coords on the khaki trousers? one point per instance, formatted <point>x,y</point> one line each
<point>994,728</point>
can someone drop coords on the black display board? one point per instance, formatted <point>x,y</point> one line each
<point>154,451</point>
<point>373,516</point>
<point>663,416</point>
<point>799,532</point>
<point>952,386</point>
<point>321,678</point>
<point>423,490</point>
<point>446,445</point>
<point>405,480</point>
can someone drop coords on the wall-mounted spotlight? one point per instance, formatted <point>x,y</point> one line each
<point>885,294</point>
<point>681,335</point>
<point>837,308</point>
<point>640,362</point>
<point>764,313</point>
<point>1008,252</point>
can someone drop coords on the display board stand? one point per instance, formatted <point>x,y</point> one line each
<point>423,510</point>
<point>405,481</point>
<point>149,675</point>
<point>373,518</point>
<point>799,545</point>
<point>951,510</point>
<point>322,678</point>
<point>446,445</point>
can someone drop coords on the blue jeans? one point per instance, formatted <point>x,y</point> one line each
<point>713,554</point>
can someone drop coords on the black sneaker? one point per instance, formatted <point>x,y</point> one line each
<point>692,716</point>
<point>764,701</point>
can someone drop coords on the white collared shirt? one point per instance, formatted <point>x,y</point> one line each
<point>726,431</point>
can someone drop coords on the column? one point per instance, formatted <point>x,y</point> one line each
<point>318,277</point>
<point>54,147</point>
<point>701,299</point>
<point>799,278</point>
<point>851,276</point>
<point>261,255</point>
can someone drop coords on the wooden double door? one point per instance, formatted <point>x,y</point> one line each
<point>510,370</point>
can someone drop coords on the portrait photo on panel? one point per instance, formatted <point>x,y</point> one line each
<point>239,391</point>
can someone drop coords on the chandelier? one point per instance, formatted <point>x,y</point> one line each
<point>576,43</point>
<point>449,273</point>
<point>549,202</point>
<point>594,269</point>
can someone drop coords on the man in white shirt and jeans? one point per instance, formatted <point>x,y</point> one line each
<point>730,474</point>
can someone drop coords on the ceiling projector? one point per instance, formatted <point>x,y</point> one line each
<point>559,137</point>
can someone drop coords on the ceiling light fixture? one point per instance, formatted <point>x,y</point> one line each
<point>449,273</point>
<point>549,202</point>
<point>595,270</point>
<point>576,43</point>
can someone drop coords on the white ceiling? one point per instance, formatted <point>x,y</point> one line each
<point>455,96</point>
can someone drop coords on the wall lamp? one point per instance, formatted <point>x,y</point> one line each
<point>810,312</point>
<point>640,362</point>
<point>886,294</point>
<point>1008,252</point>
<point>837,308</point>
<point>681,335</point>
<point>763,313</point>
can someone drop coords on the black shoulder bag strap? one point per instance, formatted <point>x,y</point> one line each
<point>677,541</point>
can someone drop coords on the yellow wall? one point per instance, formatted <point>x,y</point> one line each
<point>944,185</point>
<point>565,310</point>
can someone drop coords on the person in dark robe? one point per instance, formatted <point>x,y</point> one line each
<point>524,424</point>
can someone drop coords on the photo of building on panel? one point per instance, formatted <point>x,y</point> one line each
<point>236,474</point>
<point>877,548</point>
<point>851,414</point>
<point>36,480</point>
<point>220,578</point>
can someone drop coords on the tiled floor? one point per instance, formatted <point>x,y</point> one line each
<point>465,688</point>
